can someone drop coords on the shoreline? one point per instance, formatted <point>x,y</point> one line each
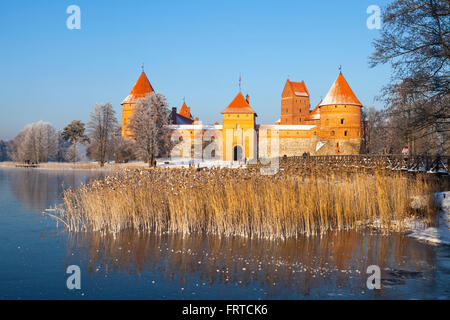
<point>81,166</point>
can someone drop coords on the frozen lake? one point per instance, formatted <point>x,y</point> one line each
<point>34,255</point>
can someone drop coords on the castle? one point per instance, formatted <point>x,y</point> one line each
<point>333,127</point>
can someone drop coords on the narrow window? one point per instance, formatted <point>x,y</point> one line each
<point>345,133</point>
<point>342,121</point>
<point>332,133</point>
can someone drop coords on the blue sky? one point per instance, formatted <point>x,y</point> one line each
<point>192,49</point>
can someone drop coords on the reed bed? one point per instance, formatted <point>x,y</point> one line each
<point>229,202</point>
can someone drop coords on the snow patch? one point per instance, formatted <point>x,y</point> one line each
<point>320,144</point>
<point>439,234</point>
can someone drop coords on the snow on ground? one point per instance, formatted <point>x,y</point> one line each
<point>197,163</point>
<point>440,234</point>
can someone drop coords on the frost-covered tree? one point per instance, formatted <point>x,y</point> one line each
<point>37,142</point>
<point>73,154</point>
<point>74,133</point>
<point>101,129</point>
<point>123,148</point>
<point>61,147</point>
<point>149,128</point>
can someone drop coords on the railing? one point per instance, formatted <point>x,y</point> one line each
<point>414,163</point>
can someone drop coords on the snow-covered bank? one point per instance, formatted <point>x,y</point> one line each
<point>197,163</point>
<point>69,166</point>
<point>441,233</point>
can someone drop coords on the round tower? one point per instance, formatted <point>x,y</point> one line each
<point>340,113</point>
<point>141,89</point>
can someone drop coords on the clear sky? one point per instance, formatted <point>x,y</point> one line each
<point>191,49</point>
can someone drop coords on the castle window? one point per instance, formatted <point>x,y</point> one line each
<point>342,121</point>
<point>237,126</point>
<point>345,133</point>
<point>332,133</point>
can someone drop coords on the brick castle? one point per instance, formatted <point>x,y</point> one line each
<point>333,127</point>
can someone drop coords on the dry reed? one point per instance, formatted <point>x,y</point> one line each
<point>244,203</point>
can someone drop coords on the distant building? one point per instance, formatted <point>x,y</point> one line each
<point>332,127</point>
<point>184,116</point>
<point>141,89</point>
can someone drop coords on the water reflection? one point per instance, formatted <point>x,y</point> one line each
<point>330,266</point>
<point>39,189</point>
<point>327,266</point>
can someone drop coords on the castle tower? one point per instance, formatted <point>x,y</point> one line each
<point>238,130</point>
<point>294,103</point>
<point>184,116</point>
<point>185,111</point>
<point>340,113</point>
<point>141,89</point>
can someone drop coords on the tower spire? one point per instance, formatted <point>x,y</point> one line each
<point>239,82</point>
<point>142,67</point>
<point>340,69</point>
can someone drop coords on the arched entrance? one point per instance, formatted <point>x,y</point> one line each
<point>237,153</point>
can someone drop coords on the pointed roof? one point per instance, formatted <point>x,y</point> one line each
<point>239,105</point>
<point>185,111</point>
<point>340,93</point>
<point>315,114</point>
<point>141,89</point>
<point>299,88</point>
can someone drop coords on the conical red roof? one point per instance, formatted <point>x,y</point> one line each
<point>340,93</point>
<point>185,111</point>
<point>239,105</point>
<point>140,90</point>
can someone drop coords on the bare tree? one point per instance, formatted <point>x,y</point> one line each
<point>35,143</point>
<point>376,131</point>
<point>123,148</point>
<point>415,40</point>
<point>74,133</point>
<point>149,128</point>
<point>101,129</point>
